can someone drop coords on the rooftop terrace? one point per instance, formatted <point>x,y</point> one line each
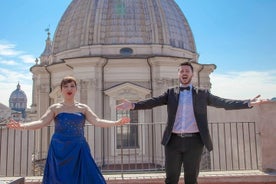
<point>220,177</point>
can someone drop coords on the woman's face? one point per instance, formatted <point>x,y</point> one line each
<point>69,90</point>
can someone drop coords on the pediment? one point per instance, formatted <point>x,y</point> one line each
<point>127,91</point>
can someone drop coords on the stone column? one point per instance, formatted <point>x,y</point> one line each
<point>267,127</point>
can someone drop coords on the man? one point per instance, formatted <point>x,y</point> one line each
<point>187,128</point>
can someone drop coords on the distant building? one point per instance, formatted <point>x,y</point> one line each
<point>18,103</point>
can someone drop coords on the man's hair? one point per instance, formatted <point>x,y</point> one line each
<point>67,80</point>
<point>187,64</point>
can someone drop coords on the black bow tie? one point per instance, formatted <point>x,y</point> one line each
<point>184,88</point>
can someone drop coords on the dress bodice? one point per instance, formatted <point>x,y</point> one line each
<point>70,124</point>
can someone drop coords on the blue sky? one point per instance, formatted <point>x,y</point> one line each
<point>238,36</point>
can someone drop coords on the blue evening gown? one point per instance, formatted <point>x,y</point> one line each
<point>69,160</point>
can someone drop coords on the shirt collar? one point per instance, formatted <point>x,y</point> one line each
<point>190,85</point>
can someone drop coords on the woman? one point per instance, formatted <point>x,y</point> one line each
<point>69,159</point>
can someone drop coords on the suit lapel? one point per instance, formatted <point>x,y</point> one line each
<point>176,93</point>
<point>194,94</point>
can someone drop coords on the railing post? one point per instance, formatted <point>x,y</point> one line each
<point>267,127</point>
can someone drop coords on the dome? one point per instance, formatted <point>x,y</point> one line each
<point>18,99</point>
<point>122,22</point>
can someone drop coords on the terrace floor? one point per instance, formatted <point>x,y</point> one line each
<point>220,177</point>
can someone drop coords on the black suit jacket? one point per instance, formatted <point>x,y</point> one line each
<point>201,99</point>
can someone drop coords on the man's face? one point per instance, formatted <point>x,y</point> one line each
<point>185,74</point>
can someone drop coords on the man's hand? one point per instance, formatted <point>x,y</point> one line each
<point>257,101</point>
<point>126,105</point>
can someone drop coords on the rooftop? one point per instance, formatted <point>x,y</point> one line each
<point>219,177</point>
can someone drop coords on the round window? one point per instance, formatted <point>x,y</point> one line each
<point>126,51</point>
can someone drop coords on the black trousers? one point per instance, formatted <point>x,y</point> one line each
<point>183,151</point>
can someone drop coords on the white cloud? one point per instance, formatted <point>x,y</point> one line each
<point>244,85</point>
<point>8,62</point>
<point>28,59</point>
<point>9,75</point>
<point>8,49</point>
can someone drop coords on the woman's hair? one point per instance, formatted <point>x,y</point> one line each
<point>67,80</point>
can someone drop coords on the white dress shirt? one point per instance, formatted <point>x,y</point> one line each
<point>185,119</point>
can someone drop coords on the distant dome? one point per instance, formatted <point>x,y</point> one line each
<point>18,99</point>
<point>124,22</point>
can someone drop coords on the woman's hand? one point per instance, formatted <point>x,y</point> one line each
<point>14,124</point>
<point>123,120</point>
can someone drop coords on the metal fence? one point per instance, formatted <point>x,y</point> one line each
<point>130,148</point>
<point>236,146</point>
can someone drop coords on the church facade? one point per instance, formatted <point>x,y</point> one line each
<point>116,50</point>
